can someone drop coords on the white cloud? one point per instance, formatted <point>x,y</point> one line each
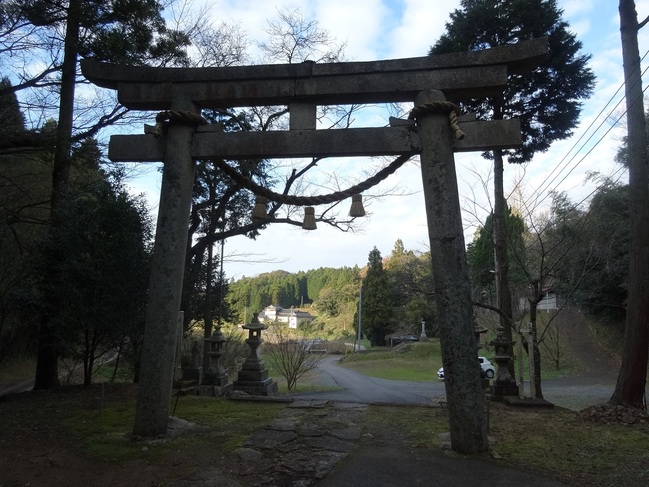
<point>422,23</point>
<point>358,23</point>
<point>574,8</point>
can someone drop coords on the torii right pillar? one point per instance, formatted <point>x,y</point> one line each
<point>464,393</point>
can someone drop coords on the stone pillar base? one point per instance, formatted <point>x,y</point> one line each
<point>266,387</point>
<point>214,378</point>
<point>499,391</point>
<point>193,374</point>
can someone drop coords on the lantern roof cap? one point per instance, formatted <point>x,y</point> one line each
<point>254,324</point>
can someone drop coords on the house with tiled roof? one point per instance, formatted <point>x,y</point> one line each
<point>292,316</point>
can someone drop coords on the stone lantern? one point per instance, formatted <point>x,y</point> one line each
<point>216,374</point>
<point>504,385</point>
<point>253,376</point>
<point>423,337</point>
<point>477,332</point>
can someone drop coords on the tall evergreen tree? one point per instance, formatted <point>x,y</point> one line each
<point>376,306</point>
<point>11,118</point>
<point>547,100</point>
<point>104,266</point>
<point>410,275</point>
<point>480,252</point>
<point>117,30</point>
<point>25,185</point>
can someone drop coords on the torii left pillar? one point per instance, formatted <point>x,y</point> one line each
<point>165,285</point>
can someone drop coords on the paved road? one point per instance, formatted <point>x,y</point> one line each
<point>25,386</point>
<point>357,387</point>
<point>573,393</point>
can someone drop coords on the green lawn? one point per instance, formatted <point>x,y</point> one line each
<point>419,361</point>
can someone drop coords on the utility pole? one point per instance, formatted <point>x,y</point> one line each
<point>357,348</point>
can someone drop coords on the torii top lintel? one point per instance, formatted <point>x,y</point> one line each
<point>459,75</point>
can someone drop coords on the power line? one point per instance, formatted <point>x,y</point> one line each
<point>542,192</point>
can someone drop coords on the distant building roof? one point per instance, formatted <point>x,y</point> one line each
<point>275,312</point>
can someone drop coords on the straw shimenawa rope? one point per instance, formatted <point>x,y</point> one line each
<point>444,107</point>
<point>184,117</point>
<point>193,118</point>
<point>312,200</point>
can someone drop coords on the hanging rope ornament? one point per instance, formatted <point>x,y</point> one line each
<point>288,199</point>
<point>264,195</point>
<point>357,209</point>
<point>309,218</point>
<point>259,212</point>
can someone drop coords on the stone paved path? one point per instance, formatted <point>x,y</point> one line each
<point>299,448</point>
<point>305,442</point>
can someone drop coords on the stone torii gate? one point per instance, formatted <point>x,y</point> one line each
<point>430,82</point>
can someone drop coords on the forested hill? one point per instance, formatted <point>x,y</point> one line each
<point>294,290</point>
<point>396,292</point>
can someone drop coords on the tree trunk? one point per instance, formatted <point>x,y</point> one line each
<point>630,387</point>
<point>501,259</point>
<point>536,352</point>
<point>207,316</point>
<point>116,366</point>
<point>87,371</point>
<point>47,369</point>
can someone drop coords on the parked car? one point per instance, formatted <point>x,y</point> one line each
<point>489,369</point>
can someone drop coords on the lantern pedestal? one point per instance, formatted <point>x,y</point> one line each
<point>253,377</point>
<point>504,386</point>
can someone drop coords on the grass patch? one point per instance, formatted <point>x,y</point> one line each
<point>303,387</point>
<point>568,367</point>
<point>573,448</point>
<point>72,414</point>
<point>307,383</point>
<point>419,361</point>
<point>417,426</point>
<point>229,423</point>
<point>557,442</point>
<point>396,369</point>
<point>416,361</point>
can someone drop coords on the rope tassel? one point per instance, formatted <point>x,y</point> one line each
<point>309,218</point>
<point>357,209</point>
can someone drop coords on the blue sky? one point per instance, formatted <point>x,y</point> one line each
<point>375,29</point>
